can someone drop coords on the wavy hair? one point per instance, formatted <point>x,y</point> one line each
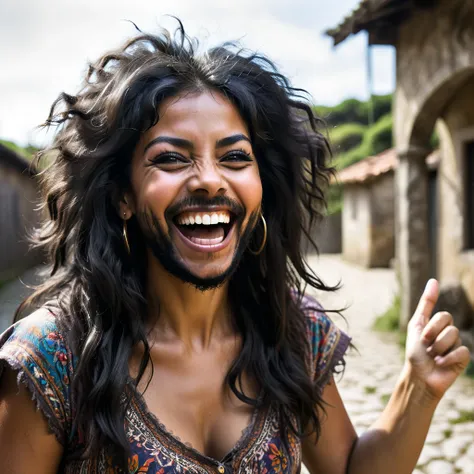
<point>99,291</point>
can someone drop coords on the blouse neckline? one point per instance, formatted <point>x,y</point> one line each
<point>176,443</point>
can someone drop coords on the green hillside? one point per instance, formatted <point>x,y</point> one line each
<point>352,138</point>
<point>26,152</point>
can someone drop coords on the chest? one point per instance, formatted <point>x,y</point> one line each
<point>190,399</point>
<point>154,451</point>
<point>192,425</point>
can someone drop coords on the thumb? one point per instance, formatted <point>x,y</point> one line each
<point>427,302</point>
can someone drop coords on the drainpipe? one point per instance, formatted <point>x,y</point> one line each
<point>370,84</point>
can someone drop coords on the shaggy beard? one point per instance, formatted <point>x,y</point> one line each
<point>164,251</point>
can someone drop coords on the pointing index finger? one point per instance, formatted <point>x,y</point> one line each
<point>427,302</point>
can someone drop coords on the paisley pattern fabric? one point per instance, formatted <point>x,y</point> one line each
<point>35,349</point>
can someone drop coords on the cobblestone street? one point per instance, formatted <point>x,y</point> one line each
<point>371,374</point>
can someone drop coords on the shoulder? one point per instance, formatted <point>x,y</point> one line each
<point>36,336</point>
<point>319,325</point>
<point>32,329</point>
<point>327,342</point>
<point>35,349</point>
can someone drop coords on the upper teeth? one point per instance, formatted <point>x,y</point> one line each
<point>189,218</point>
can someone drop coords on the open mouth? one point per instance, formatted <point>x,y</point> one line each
<point>205,229</point>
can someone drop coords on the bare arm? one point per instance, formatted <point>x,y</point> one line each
<point>26,445</point>
<point>331,453</point>
<point>392,445</point>
<point>435,358</point>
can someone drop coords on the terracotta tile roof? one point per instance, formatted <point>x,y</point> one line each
<point>375,166</point>
<point>369,168</point>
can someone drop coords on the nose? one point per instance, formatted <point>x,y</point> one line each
<point>207,180</point>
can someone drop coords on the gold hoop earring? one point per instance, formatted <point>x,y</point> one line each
<point>260,249</point>
<point>125,236</point>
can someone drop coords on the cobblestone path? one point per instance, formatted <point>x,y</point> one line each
<point>371,374</point>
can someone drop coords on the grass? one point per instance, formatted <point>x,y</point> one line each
<point>389,321</point>
<point>447,433</point>
<point>465,416</point>
<point>370,390</point>
<point>470,370</point>
<point>385,398</point>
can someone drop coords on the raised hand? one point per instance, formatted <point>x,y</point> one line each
<point>434,351</point>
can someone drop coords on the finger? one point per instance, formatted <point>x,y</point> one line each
<point>446,340</point>
<point>434,327</point>
<point>460,357</point>
<point>427,302</point>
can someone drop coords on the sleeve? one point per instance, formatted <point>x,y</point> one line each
<point>328,343</point>
<point>34,348</point>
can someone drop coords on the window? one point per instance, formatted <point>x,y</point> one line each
<point>469,195</point>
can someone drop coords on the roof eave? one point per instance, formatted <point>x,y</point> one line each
<point>380,21</point>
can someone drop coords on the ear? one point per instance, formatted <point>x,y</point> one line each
<point>126,206</point>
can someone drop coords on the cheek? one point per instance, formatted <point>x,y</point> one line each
<point>249,190</point>
<point>156,191</point>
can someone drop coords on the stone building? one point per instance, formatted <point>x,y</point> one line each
<point>368,212</point>
<point>434,41</point>
<point>18,200</point>
<point>368,217</point>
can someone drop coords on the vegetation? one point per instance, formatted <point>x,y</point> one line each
<point>26,152</point>
<point>388,321</point>
<point>379,136</point>
<point>355,111</point>
<point>470,370</point>
<point>465,416</point>
<point>347,136</point>
<point>334,198</point>
<point>351,137</point>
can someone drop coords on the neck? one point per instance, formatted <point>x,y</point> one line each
<point>178,310</point>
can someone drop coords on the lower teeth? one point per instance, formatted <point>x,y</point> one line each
<point>199,241</point>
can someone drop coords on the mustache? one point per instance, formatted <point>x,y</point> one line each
<point>198,201</point>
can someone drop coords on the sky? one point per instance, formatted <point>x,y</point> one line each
<point>47,44</point>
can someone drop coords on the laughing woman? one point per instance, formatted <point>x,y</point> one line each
<point>173,333</point>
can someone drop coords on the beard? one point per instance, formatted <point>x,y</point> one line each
<point>161,245</point>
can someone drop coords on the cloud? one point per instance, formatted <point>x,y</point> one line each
<point>51,41</point>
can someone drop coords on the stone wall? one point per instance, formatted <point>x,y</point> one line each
<point>357,224</point>
<point>383,221</point>
<point>435,56</point>
<point>328,235</point>
<point>18,200</point>
<point>435,70</point>
<point>455,129</point>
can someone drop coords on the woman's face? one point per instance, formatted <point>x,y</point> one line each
<point>196,188</point>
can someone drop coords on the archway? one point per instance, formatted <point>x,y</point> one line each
<point>447,101</point>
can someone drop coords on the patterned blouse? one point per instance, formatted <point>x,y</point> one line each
<point>38,352</point>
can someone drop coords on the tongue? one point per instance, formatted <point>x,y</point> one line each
<point>203,234</point>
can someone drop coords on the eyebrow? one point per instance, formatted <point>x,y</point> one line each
<point>232,140</point>
<point>178,142</point>
<point>188,145</point>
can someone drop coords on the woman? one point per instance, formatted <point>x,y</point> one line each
<point>173,334</point>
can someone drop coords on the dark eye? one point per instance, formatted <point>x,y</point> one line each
<point>169,158</point>
<point>237,157</point>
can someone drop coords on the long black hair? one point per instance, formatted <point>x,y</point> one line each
<point>99,289</point>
